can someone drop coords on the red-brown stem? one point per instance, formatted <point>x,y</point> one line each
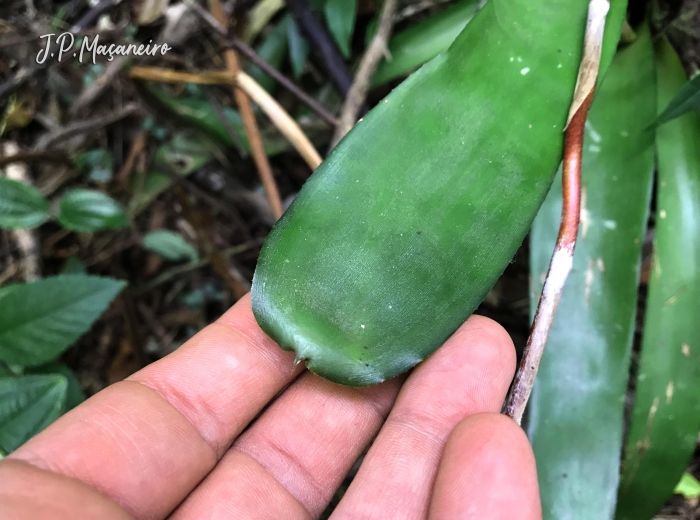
<point>559,266</point>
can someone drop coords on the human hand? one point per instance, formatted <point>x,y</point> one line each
<point>177,438</point>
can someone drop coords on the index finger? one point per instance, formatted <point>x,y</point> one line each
<point>148,441</point>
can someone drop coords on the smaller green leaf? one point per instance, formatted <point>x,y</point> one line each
<point>98,163</point>
<point>28,404</point>
<point>298,48</point>
<point>39,320</point>
<point>340,17</point>
<point>73,266</point>
<point>74,393</point>
<point>21,205</point>
<point>89,210</point>
<point>183,154</point>
<point>687,99</point>
<point>273,49</point>
<point>689,487</point>
<point>169,245</point>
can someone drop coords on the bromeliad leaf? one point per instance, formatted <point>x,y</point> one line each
<point>39,320</point>
<point>87,211</point>
<point>576,409</point>
<point>28,404</point>
<point>21,205</point>
<point>687,99</point>
<point>298,48</point>
<point>665,420</point>
<point>418,210</point>
<point>169,245</point>
<point>415,45</point>
<point>340,17</point>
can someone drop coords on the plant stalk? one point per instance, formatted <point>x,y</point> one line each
<point>563,256</point>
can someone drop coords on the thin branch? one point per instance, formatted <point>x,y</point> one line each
<point>281,119</point>
<point>316,33</point>
<point>285,82</point>
<point>368,65</point>
<point>83,127</point>
<point>226,123</point>
<point>562,259</point>
<point>251,127</point>
<point>258,60</point>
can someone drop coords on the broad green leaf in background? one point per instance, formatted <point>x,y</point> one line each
<point>298,48</point>
<point>169,245</point>
<point>74,392</point>
<point>28,404</point>
<point>40,320</point>
<point>576,408</point>
<point>340,18</point>
<point>21,205</point>
<point>98,163</point>
<point>688,486</point>
<point>424,40</point>
<point>73,265</point>
<point>273,49</point>
<point>202,115</point>
<point>666,416</point>
<point>184,154</point>
<point>404,228</point>
<point>687,99</point>
<point>87,211</point>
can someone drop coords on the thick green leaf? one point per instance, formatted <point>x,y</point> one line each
<point>40,320</point>
<point>340,18</point>
<point>28,404</point>
<point>169,245</point>
<point>298,48</point>
<point>666,416</point>
<point>687,99</point>
<point>401,232</point>
<point>90,210</point>
<point>21,205</point>
<point>423,41</point>
<point>576,409</point>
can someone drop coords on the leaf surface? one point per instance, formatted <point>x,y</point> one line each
<point>340,17</point>
<point>666,416</point>
<point>87,211</point>
<point>28,404</point>
<point>576,408</point>
<point>21,205</point>
<point>169,245</point>
<point>410,48</point>
<point>687,99</point>
<point>401,232</point>
<point>40,320</point>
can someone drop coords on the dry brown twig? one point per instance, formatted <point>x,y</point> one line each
<point>368,65</point>
<point>562,259</point>
<point>251,127</point>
